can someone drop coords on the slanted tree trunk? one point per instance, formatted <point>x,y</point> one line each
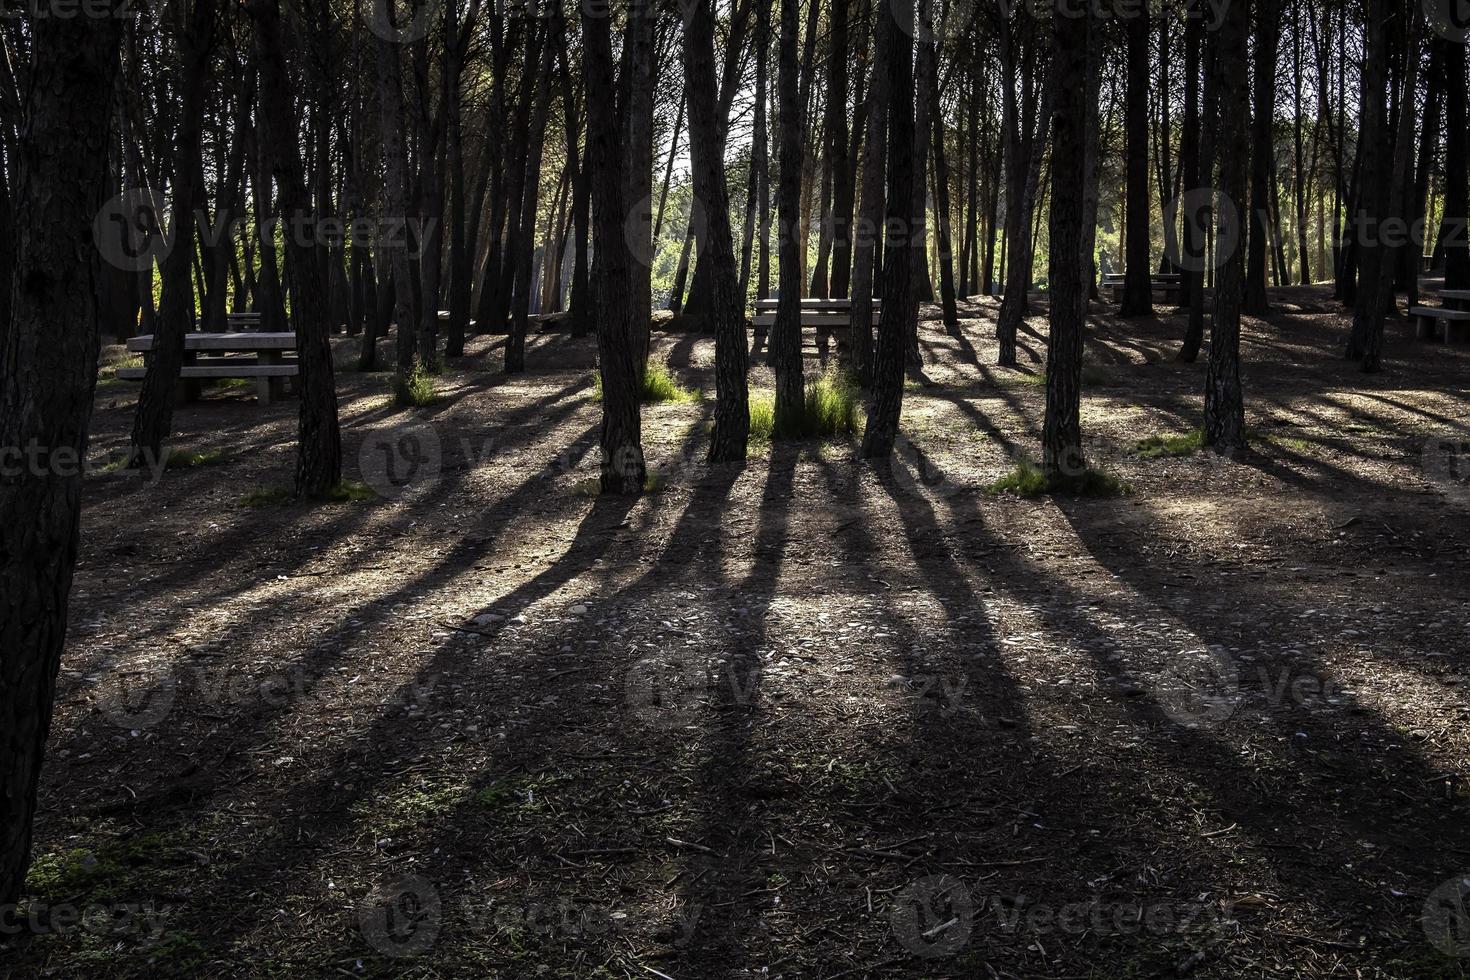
<point>1403,157</point>
<point>785,334</point>
<point>318,439</point>
<point>1224,423</point>
<point>1138,298</point>
<point>895,59</point>
<point>153,420</point>
<point>732,413</point>
<point>623,468</point>
<point>870,209</point>
<point>48,369</point>
<point>1456,165</point>
<point>1061,433</point>
<point>515,345</point>
<point>942,219</point>
<point>1261,227</point>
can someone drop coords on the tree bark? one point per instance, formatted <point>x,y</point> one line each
<point>732,413</point>
<point>48,369</point>
<point>785,334</point>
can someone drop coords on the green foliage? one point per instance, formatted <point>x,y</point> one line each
<point>831,411</point>
<point>659,385</point>
<point>350,491</point>
<point>1027,480</point>
<point>266,497</point>
<point>187,461</point>
<point>1156,446</point>
<point>416,390</point>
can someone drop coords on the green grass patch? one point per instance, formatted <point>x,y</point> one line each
<point>350,492</point>
<point>175,460</point>
<point>830,411</point>
<point>416,390</point>
<point>1156,446</point>
<point>1027,480</point>
<point>266,497</point>
<point>233,383</point>
<point>659,385</point>
<point>591,488</point>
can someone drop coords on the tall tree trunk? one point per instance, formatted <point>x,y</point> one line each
<point>1137,274</point>
<point>623,468</point>
<point>1061,433</point>
<point>732,413</point>
<point>48,369</point>
<point>895,59</point>
<point>1224,423</point>
<point>1456,165</point>
<point>318,441</point>
<point>785,335</point>
<point>153,420</point>
<point>942,218</point>
<point>1403,156</point>
<point>870,209</point>
<point>1260,225</point>
<point>395,201</point>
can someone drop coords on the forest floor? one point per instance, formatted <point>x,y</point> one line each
<point>800,718</point>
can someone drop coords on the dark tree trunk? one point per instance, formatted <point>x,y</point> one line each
<point>1456,164</point>
<point>48,368</point>
<point>1260,226</point>
<point>153,420</point>
<point>1224,424</point>
<point>785,334</point>
<point>623,469</point>
<point>395,202</point>
<point>1371,194</point>
<point>1191,278</point>
<point>942,218</point>
<point>1138,297</point>
<point>1061,433</point>
<point>732,413</point>
<point>870,210</point>
<point>1202,212</point>
<point>319,441</point>
<point>515,345</point>
<point>895,59</point>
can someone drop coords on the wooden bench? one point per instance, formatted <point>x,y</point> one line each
<point>1428,318</point>
<point>1165,286</point>
<point>242,322</point>
<point>828,316</point>
<point>264,361</point>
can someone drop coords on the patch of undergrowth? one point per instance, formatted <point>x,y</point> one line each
<point>659,385</point>
<point>1028,480</point>
<point>831,410</point>
<point>349,491</point>
<point>232,383</point>
<point>187,461</point>
<point>1155,446</point>
<point>415,389</point>
<point>266,497</point>
<point>112,870</point>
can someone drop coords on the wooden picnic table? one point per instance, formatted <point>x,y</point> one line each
<point>263,359</point>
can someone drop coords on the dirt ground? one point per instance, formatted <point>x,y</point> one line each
<point>801,718</point>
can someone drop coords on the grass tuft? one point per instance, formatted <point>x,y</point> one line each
<point>188,461</point>
<point>659,385</point>
<point>830,411</point>
<point>416,390</point>
<point>350,491</point>
<point>1027,480</point>
<point>1170,445</point>
<point>266,497</point>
